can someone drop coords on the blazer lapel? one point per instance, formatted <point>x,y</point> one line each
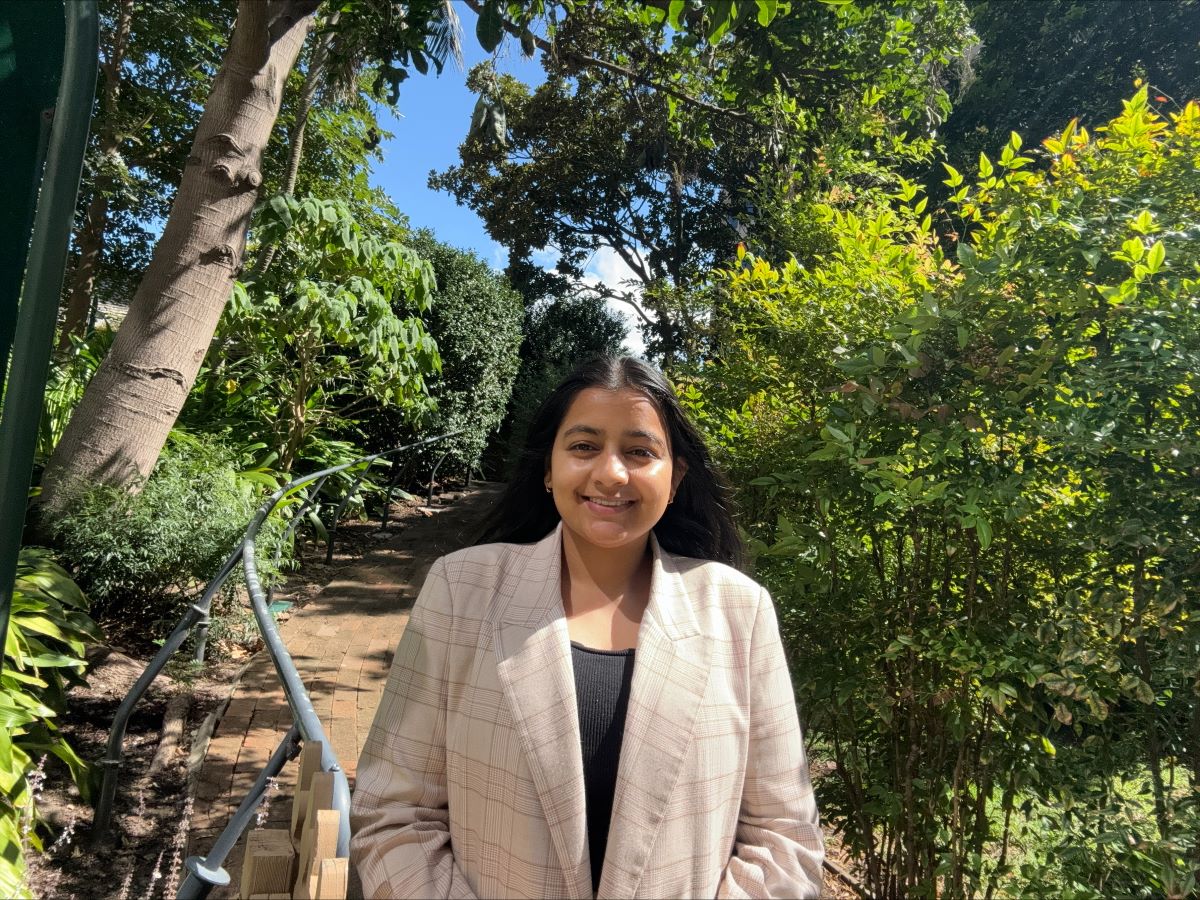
<point>533,652</point>
<point>670,676</point>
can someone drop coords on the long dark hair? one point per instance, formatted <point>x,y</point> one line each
<point>699,522</point>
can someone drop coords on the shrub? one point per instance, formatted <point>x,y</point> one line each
<point>476,321</point>
<point>972,485</point>
<point>144,556</point>
<point>48,632</point>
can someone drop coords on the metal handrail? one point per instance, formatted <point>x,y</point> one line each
<point>207,872</point>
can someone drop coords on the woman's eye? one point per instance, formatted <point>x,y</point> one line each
<point>643,452</point>
<point>581,446</point>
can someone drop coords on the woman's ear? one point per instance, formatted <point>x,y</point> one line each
<point>678,471</point>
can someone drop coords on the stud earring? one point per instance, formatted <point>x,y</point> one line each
<point>549,490</point>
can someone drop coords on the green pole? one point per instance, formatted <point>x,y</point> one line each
<point>37,309</point>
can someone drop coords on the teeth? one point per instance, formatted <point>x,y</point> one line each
<point>600,502</point>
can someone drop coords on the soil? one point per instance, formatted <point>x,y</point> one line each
<point>142,856</point>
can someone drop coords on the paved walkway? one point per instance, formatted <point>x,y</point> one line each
<point>342,642</point>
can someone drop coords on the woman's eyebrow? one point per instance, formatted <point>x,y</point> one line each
<point>634,433</point>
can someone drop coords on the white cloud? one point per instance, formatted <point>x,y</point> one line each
<point>606,267</point>
<point>499,258</point>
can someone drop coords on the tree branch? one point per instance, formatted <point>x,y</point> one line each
<point>616,69</point>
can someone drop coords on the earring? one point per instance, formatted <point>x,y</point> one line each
<point>549,490</point>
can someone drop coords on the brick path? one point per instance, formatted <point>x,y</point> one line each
<point>342,641</point>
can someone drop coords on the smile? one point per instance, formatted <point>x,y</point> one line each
<point>611,504</point>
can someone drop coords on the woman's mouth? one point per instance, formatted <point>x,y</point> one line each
<point>606,505</point>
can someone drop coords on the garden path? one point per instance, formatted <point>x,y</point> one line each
<point>342,642</point>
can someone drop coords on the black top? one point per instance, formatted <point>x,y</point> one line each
<point>602,681</point>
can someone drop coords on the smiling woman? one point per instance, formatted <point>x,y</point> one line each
<point>592,702</point>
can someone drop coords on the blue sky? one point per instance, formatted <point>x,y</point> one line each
<point>433,115</point>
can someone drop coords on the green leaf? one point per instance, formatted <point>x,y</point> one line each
<point>767,10</point>
<point>1048,746</point>
<point>984,532</point>
<point>985,166</point>
<point>720,14</point>
<point>1154,260</point>
<point>279,206</point>
<point>955,178</point>
<point>675,14</point>
<point>489,28</point>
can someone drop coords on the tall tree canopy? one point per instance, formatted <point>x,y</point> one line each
<point>672,180</point>
<point>1041,64</point>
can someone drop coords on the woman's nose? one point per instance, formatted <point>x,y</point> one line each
<point>610,469</point>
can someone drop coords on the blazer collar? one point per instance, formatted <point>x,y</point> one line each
<point>533,653</point>
<point>539,600</point>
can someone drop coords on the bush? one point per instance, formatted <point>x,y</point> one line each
<point>972,488</point>
<point>476,321</point>
<point>144,556</point>
<point>48,632</point>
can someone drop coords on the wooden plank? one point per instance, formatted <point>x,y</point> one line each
<point>333,879</point>
<point>299,810</point>
<point>269,862</point>
<point>310,764</point>
<point>319,796</point>
<point>319,842</point>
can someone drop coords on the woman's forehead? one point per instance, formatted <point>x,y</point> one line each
<point>599,410</point>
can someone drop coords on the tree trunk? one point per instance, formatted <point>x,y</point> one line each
<point>90,240</point>
<point>122,422</point>
<point>312,81</point>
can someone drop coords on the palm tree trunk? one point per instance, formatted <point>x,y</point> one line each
<point>122,422</point>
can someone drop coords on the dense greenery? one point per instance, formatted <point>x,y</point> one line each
<point>476,321</point>
<point>48,633</point>
<point>972,484</point>
<point>961,417</point>
<point>671,180</point>
<point>1042,64</point>
<point>144,557</point>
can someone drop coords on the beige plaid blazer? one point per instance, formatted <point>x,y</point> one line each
<point>471,780</point>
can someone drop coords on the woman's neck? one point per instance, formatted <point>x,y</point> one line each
<point>596,576</point>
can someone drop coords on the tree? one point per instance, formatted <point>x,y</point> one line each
<point>476,319</point>
<point>971,485</point>
<point>123,419</point>
<point>1041,64</point>
<point>126,412</point>
<point>157,60</point>
<point>601,155</point>
<point>335,327</point>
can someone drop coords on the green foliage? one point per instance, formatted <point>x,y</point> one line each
<point>333,328</point>
<point>68,377</point>
<point>476,321</point>
<point>972,485</point>
<point>48,633</point>
<point>1041,64</point>
<point>559,333</point>
<point>144,556</point>
<point>671,167</point>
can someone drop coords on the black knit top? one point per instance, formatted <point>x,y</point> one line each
<point>602,682</point>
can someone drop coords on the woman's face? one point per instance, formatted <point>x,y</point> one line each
<point>611,469</point>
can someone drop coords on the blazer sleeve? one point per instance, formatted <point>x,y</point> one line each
<point>400,843</point>
<point>778,848</point>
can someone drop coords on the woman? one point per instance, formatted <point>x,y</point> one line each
<point>593,703</point>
